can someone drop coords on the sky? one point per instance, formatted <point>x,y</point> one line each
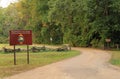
<point>5,3</point>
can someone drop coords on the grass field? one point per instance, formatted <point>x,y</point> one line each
<point>36,60</point>
<point>115,59</point>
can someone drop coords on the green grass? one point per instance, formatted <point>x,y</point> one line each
<point>36,60</point>
<point>115,59</point>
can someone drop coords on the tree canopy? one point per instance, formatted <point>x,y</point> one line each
<point>76,22</point>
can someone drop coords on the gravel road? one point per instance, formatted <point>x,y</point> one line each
<point>90,64</point>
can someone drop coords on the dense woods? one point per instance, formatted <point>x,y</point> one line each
<point>75,22</point>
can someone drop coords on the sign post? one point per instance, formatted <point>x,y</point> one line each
<point>14,56</point>
<point>108,42</point>
<point>21,37</point>
<point>28,54</point>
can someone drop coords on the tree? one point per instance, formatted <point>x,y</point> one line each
<point>69,14</point>
<point>77,22</point>
<point>102,19</point>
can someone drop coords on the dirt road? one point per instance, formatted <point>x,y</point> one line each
<point>91,64</point>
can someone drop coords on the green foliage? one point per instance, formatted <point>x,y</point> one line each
<point>95,42</point>
<point>77,22</point>
<point>102,20</point>
<point>68,14</point>
<point>3,39</point>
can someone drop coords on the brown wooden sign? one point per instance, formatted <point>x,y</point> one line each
<point>108,40</point>
<point>20,37</point>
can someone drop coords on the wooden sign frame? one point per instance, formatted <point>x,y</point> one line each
<point>20,37</point>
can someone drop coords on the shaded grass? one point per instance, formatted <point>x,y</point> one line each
<point>115,59</point>
<point>36,60</point>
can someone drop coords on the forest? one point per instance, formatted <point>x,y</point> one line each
<point>75,22</point>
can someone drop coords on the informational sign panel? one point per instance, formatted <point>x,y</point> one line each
<point>20,37</point>
<point>108,40</point>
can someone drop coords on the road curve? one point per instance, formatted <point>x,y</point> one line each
<point>91,64</point>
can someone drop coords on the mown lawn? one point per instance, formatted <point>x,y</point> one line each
<point>115,59</point>
<point>36,60</point>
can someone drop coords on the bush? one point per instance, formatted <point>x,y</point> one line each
<point>95,43</point>
<point>3,39</point>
